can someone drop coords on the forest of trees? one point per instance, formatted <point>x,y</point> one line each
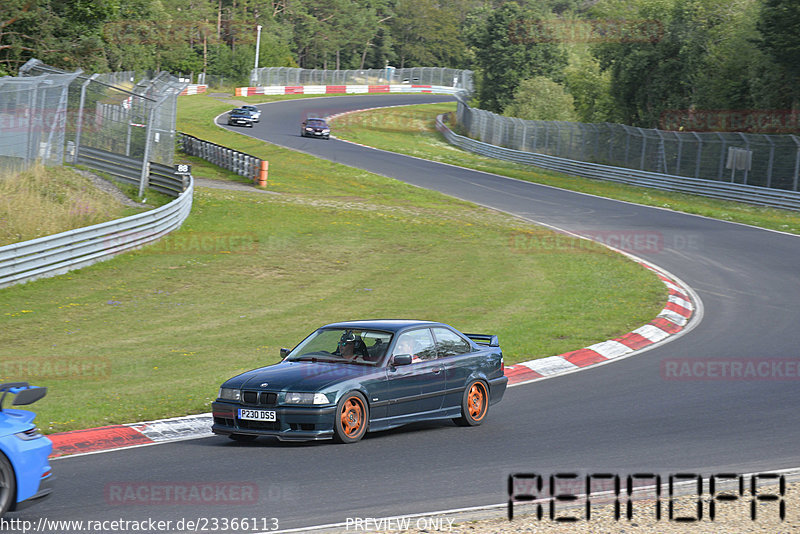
<point>624,61</point>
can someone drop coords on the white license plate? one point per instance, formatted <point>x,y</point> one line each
<point>257,415</point>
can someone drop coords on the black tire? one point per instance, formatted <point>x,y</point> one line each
<point>474,404</point>
<point>351,418</point>
<point>8,485</point>
<point>242,437</point>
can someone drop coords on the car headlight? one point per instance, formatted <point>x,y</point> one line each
<point>326,130</point>
<point>306,398</point>
<point>230,394</point>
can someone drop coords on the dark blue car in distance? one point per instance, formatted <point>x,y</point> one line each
<point>349,378</point>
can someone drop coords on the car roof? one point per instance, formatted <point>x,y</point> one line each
<point>386,325</point>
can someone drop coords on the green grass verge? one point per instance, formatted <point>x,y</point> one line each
<point>410,130</point>
<point>153,333</point>
<point>42,201</point>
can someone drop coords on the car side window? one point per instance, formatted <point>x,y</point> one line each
<point>418,343</point>
<point>448,343</point>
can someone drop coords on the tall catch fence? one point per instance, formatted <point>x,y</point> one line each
<point>763,160</point>
<point>267,76</point>
<point>33,118</point>
<point>57,117</point>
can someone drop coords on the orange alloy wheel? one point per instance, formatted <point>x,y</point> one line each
<point>477,401</point>
<point>352,416</point>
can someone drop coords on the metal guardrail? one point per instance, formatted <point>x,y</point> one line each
<point>60,253</point>
<point>775,198</point>
<point>736,157</point>
<point>161,178</point>
<point>227,158</point>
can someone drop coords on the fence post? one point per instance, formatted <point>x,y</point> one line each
<point>747,147</point>
<point>144,177</point>
<point>796,163</point>
<point>722,156</point>
<point>31,153</point>
<point>627,144</point>
<point>699,154</point>
<point>644,148</point>
<point>79,126</point>
<point>524,134</point>
<point>771,159</point>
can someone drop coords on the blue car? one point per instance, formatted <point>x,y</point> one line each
<point>25,474</point>
<point>346,379</point>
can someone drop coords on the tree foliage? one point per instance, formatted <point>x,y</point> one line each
<point>541,98</point>
<point>694,54</point>
<point>507,52</point>
<point>779,26</point>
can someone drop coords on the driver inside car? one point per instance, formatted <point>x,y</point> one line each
<point>349,343</point>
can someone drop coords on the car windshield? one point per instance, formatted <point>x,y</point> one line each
<point>343,345</point>
<point>317,123</point>
<point>240,112</point>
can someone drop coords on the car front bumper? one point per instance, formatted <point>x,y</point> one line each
<point>45,490</point>
<point>294,423</point>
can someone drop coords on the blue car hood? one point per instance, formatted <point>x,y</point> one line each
<point>300,376</point>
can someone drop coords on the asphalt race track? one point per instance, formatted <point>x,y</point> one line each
<point>627,417</point>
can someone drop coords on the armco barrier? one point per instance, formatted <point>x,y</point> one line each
<point>59,253</point>
<point>775,198</point>
<point>161,178</point>
<point>227,158</point>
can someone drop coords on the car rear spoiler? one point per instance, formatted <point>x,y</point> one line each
<point>484,339</point>
<point>25,393</point>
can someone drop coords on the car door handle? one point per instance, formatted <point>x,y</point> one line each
<point>437,370</point>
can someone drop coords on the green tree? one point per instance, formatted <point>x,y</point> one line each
<point>590,87</point>
<point>509,47</point>
<point>541,98</point>
<point>19,20</point>
<point>779,26</point>
<point>427,33</point>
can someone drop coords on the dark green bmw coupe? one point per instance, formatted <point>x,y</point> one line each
<point>346,379</point>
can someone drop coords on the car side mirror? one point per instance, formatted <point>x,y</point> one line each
<point>401,359</point>
<point>285,353</point>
